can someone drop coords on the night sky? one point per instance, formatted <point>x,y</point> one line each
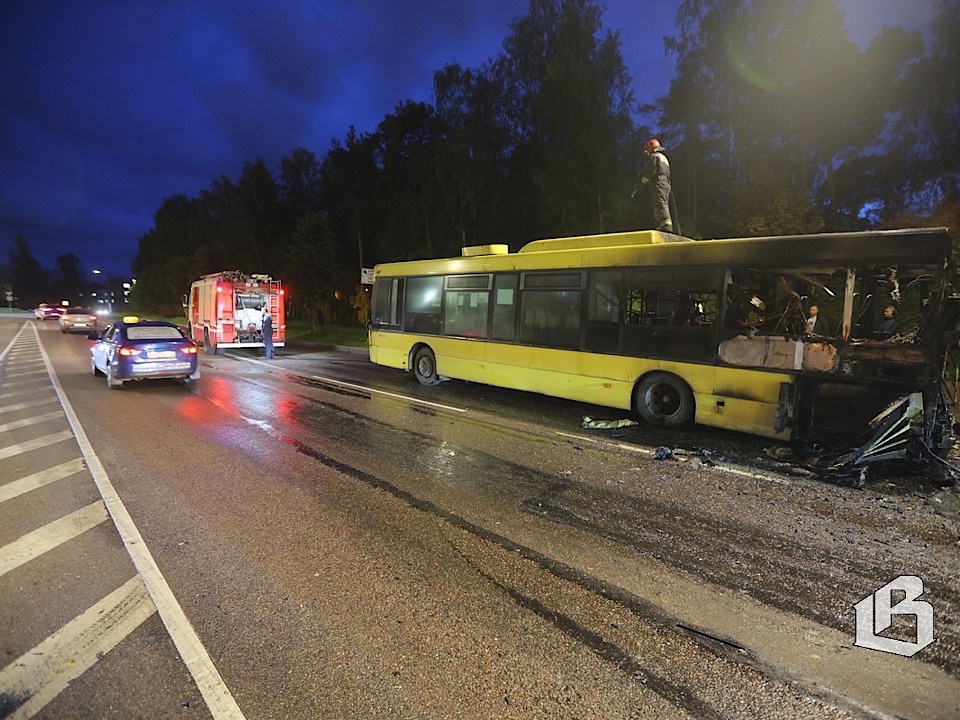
<point>109,107</point>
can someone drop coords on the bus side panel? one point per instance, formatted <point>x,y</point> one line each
<point>744,400</point>
<point>391,349</point>
<point>605,380</point>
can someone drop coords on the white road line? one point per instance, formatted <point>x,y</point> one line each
<point>36,444</point>
<point>352,386</point>
<point>44,477</point>
<point>645,451</point>
<point>20,383</point>
<point>30,391</point>
<point>51,535</point>
<point>40,674</point>
<point>25,405</point>
<point>25,372</point>
<point>388,394</point>
<point>35,420</point>
<point>216,694</point>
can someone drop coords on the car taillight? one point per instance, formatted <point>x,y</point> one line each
<point>92,318</point>
<point>129,350</point>
<point>189,350</point>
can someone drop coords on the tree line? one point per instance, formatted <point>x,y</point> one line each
<point>776,122</point>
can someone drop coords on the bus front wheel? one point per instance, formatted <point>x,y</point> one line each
<point>664,400</point>
<point>425,366</point>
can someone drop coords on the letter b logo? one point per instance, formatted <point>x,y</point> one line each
<point>875,612</point>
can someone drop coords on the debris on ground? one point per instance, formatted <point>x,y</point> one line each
<point>589,422</point>
<point>664,453</point>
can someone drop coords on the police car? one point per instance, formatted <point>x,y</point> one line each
<point>135,349</point>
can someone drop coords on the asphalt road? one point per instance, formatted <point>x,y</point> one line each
<point>316,537</point>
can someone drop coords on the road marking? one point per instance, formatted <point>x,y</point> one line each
<point>216,694</point>
<point>352,386</point>
<point>35,444</point>
<point>35,420</point>
<point>44,477</point>
<point>40,674</point>
<point>44,539</point>
<point>31,391</point>
<point>25,372</point>
<point>24,406</point>
<point>753,474</point>
<point>19,383</point>
<point>384,392</point>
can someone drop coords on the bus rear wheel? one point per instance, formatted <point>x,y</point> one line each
<point>425,366</point>
<point>664,400</point>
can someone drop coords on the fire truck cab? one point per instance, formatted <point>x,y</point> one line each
<point>225,310</point>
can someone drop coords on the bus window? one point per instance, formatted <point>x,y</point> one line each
<point>465,310</point>
<point>505,307</point>
<point>604,297</point>
<point>671,314</point>
<point>385,301</point>
<point>550,309</point>
<point>421,310</point>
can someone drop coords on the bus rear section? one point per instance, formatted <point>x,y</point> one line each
<point>225,310</point>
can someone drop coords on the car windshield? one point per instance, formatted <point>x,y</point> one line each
<point>79,311</point>
<point>153,332</point>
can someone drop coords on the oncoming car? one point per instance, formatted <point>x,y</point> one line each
<point>73,319</point>
<point>135,349</point>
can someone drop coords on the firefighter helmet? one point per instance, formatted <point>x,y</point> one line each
<point>651,145</point>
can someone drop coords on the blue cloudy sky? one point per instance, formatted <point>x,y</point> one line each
<point>109,106</point>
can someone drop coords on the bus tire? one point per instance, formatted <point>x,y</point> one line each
<point>664,400</point>
<point>425,366</point>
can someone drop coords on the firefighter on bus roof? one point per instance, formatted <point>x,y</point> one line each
<point>656,175</point>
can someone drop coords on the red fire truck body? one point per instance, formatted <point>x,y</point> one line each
<point>225,310</point>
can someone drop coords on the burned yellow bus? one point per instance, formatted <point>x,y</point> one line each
<point>679,331</point>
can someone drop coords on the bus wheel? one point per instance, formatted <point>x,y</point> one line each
<point>664,400</point>
<point>425,366</point>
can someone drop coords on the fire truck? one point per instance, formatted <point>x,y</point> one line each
<point>225,310</point>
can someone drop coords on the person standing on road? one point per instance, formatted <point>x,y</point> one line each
<point>267,330</point>
<point>657,175</point>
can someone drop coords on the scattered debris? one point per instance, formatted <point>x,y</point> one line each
<point>589,422</point>
<point>663,453</point>
<point>781,453</point>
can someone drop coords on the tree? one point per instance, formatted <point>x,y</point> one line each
<point>29,281</point>
<point>778,85</point>
<point>569,97</point>
<point>69,278</point>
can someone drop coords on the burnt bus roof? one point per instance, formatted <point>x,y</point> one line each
<point>915,247</point>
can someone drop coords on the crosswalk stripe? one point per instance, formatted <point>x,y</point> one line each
<point>39,479</point>
<point>51,535</point>
<point>40,674</point>
<point>35,444</point>
<point>35,420</point>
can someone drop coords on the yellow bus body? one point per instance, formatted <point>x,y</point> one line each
<point>731,398</point>
<point>755,388</point>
